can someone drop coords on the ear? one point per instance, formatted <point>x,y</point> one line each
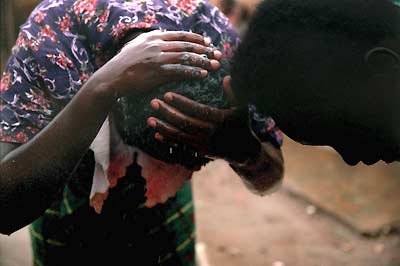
<point>384,63</point>
<point>383,57</point>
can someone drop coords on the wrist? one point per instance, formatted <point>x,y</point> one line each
<point>234,139</point>
<point>249,151</point>
<point>249,144</point>
<point>103,88</point>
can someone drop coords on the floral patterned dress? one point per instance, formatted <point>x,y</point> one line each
<point>60,46</point>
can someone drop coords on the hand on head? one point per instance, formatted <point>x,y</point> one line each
<point>155,58</point>
<point>211,131</point>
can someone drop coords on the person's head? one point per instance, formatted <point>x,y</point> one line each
<point>328,71</point>
<point>133,113</point>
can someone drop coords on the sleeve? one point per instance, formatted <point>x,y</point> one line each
<point>208,20</point>
<point>265,128</point>
<point>107,22</point>
<point>24,109</point>
<point>48,65</point>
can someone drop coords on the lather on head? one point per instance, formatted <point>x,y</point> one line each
<point>133,113</point>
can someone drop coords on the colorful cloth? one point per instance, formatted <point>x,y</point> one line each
<point>60,46</point>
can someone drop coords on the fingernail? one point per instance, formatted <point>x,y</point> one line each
<point>168,97</point>
<point>155,104</point>
<point>203,73</point>
<point>151,122</point>
<point>215,64</point>
<point>217,54</point>
<point>158,137</point>
<point>207,41</point>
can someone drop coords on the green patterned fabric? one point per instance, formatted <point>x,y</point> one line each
<point>71,233</point>
<point>60,46</point>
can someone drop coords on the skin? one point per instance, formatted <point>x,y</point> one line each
<point>364,141</point>
<point>34,173</point>
<point>363,132</point>
<point>180,120</point>
<point>361,121</point>
<point>327,88</point>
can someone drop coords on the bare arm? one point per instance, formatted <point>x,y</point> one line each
<point>32,174</point>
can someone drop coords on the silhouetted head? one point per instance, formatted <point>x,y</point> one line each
<point>328,71</point>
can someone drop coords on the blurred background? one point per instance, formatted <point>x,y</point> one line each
<point>325,214</point>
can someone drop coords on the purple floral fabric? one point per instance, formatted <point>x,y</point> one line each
<point>64,42</point>
<point>60,46</point>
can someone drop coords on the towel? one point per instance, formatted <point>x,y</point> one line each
<point>113,156</point>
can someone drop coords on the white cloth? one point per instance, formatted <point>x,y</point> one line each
<point>113,156</point>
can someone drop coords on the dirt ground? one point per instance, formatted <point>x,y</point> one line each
<point>241,229</point>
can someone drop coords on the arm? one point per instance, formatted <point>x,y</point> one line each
<point>268,162</point>
<point>219,134</point>
<point>32,174</point>
<point>262,173</point>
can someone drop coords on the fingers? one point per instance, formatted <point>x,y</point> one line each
<point>183,36</point>
<point>170,72</point>
<point>182,41</point>
<point>228,90</point>
<point>186,123</point>
<point>190,59</point>
<point>166,131</point>
<point>179,46</point>
<point>195,109</point>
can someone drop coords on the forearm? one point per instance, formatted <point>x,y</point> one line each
<point>33,174</point>
<point>263,173</point>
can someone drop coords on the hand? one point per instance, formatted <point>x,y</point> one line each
<point>213,132</point>
<point>156,57</point>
